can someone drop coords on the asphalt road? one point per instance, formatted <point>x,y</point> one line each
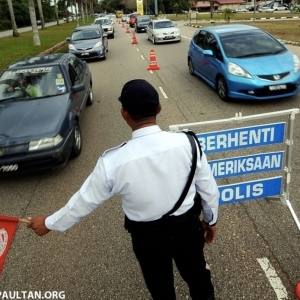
<point>256,253</point>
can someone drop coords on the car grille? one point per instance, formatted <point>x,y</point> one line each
<point>274,77</point>
<point>84,49</point>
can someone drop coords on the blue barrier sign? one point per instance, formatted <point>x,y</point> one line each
<point>245,137</point>
<point>250,190</point>
<point>243,165</point>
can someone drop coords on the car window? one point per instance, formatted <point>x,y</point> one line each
<point>199,38</point>
<point>250,44</point>
<point>210,43</point>
<point>150,25</point>
<point>164,24</point>
<point>86,34</point>
<point>31,83</point>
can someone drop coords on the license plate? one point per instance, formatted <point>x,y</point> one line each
<point>9,168</point>
<point>168,37</point>
<point>85,54</point>
<point>277,87</point>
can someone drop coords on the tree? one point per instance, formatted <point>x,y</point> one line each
<point>35,32</point>
<point>56,12</point>
<point>39,3</point>
<point>12,17</point>
<point>227,14</point>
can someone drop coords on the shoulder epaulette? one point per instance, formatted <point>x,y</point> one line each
<point>114,148</point>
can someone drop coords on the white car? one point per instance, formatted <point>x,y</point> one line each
<point>162,30</point>
<point>107,25</point>
<point>266,9</point>
<point>280,7</point>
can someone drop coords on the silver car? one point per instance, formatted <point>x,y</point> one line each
<point>163,30</point>
<point>107,25</point>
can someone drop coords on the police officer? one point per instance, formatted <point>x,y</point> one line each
<point>149,172</point>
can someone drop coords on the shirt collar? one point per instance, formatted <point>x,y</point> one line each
<point>145,131</point>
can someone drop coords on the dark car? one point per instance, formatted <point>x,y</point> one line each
<point>40,120</point>
<point>141,23</point>
<point>132,19</point>
<point>88,42</point>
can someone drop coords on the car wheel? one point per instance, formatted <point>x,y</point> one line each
<point>222,88</point>
<point>113,36</point>
<point>90,99</point>
<point>77,140</point>
<point>191,67</point>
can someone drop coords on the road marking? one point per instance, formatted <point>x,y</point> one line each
<point>163,92</point>
<point>273,278</point>
<point>142,57</point>
<point>186,37</point>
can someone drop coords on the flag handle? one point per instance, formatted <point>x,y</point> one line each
<point>25,221</point>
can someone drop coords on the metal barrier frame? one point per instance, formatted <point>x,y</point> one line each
<point>284,197</point>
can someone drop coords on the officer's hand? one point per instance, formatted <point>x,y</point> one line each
<point>38,225</point>
<point>210,232</point>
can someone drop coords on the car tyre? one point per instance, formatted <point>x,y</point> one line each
<point>77,140</point>
<point>112,36</point>
<point>90,99</point>
<point>222,89</point>
<point>191,67</point>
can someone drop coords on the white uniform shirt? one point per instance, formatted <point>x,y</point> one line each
<point>149,173</point>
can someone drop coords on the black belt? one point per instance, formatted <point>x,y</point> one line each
<point>165,222</point>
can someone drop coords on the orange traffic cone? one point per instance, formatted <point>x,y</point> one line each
<point>134,41</point>
<point>127,30</point>
<point>152,63</point>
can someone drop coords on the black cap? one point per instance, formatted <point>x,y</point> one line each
<point>139,98</point>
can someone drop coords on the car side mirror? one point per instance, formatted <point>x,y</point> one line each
<point>68,39</point>
<point>208,52</point>
<point>77,88</point>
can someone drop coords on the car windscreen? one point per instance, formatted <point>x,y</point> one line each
<point>164,24</point>
<point>146,19</point>
<point>31,83</point>
<point>86,34</point>
<point>250,44</point>
<point>103,22</point>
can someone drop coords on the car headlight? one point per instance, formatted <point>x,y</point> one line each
<point>48,142</point>
<point>237,70</point>
<point>296,63</point>
<point>177,31</point>
<point>99,44</point>
<point>71,47</point>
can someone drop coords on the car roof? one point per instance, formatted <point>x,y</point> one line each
<point>38,61</point>
<point>87,27</point>
<point>139,17</point>
<point>218,29</point>
<point>103,18</point>
<point>162,20</point>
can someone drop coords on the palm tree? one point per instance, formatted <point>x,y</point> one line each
<point>35,32</point>
<point>12,17</point>
<point>39,3</point>
<point>56,12</point>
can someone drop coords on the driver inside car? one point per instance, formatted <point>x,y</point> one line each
<point>26,84</point>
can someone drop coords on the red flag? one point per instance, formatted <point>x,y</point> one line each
<point>8,226</point>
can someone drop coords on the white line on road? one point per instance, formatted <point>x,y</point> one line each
<point>273,278</point>
<point>163,92</point>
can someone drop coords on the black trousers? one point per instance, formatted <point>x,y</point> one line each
<point>182,242</point>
